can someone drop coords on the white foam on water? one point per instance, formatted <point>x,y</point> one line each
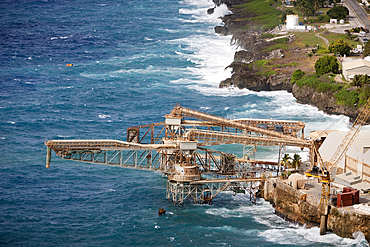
<point>104,116</point>
<point>63,136</point>
<point>303,236</point>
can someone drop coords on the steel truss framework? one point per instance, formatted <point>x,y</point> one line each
<point>201,193</point>
<point>162,147</point>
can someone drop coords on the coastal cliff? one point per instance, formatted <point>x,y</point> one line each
<point>278,65</point>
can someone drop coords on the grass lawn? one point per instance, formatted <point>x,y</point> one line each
<point>308,38</point>
<point>264,12</point>
<point>334,36</point>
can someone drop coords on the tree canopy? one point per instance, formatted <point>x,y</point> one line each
<point>367,49</point>
<point>326,64</point>
<point>340,47</point>
<point>338,12</point>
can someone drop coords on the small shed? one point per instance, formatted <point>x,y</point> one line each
<point>297,181</point>
<point>355,67</point>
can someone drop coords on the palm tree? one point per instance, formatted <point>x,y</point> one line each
<point>349,34</point>
<point>360,80</point>
<point>285,160</point>
<point>296,162</point>
<point>316,5</point>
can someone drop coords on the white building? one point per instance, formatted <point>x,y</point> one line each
<point>355,67</point>
<point>357,158</point>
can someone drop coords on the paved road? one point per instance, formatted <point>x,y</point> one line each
<point>359,12</point>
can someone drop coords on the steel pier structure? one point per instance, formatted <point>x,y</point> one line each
<point>177,148</point>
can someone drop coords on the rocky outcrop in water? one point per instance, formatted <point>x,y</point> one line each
<point>244,76</point>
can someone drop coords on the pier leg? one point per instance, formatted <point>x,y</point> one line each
<point>324,220</point>
<point>48,157</point>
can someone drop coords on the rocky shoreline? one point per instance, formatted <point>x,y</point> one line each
<point>246,75</point>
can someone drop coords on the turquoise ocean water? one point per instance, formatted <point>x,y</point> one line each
<point>132,60</point>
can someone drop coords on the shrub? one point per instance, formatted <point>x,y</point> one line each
<point>364,95</point>
<point>340,47</point>
<point>367,49</point>
<point>326,64</point>
<point>323,18</point>
<point>297,75</point>
<point>345,97</point>
<point>321,84</point>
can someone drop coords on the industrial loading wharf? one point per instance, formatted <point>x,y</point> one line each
<point>179,148</point>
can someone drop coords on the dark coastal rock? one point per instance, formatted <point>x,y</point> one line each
<point>250,41</point>
<point>323,101</point>
<point>221,30</point>
<point>244,76</point>
<point>275,54</point>
<point>244,56</point>
<point>210,11</point>
<point>279,82</point>
<point>229,2</point>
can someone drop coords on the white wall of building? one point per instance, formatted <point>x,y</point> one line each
<point>360,148</point>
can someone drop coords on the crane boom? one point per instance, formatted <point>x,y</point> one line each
<point>351,135</point>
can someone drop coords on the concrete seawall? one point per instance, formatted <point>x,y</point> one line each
<point>297,206</point>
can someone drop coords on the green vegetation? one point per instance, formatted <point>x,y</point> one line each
<point>277,44</point>
<point>332,37</point>
<point>264,14</point>
<point>345,97</point>
<point>326,64</point>
<point>340,47</point>
<point>342,93</point>
<point>267,36</point>
<point>321,84</point>
<point>265,64</point>
<point>296,162</point>
<point>309,39</point>
<point>360,80</point>
<point>338,12</point>
<point>323,18</point>
<point>364,94</point>
<point>367,49</point>
<point>297,75</point>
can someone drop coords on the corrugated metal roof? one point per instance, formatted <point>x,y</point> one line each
<point>355,64</point>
